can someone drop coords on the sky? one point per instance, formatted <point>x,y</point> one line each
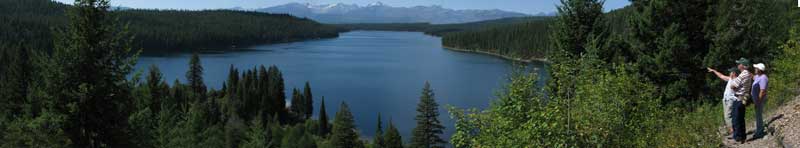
<point>524,6</point>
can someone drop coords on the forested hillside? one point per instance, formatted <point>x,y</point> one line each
<point>441,29</point>
<point>31,23</point>
<point>521,40</point>
<point>525,40</point>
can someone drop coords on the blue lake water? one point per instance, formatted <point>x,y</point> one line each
<point>372,71</point>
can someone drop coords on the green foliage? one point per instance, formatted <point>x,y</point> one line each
<point>308,103</point>
<point>195,78</point>
<point>697,127</point>
<point>426,133</point>
<point>578,20</point>
<point>524,40</point>
<point>378,141</point>
<point>441,29</point>
<point>257,136</point>
<point>30,22</point>
<point>298,105</point>
<point>668,39</point>
<point>83,79</point>
<point>392,137</point>
<point>324,127</point>
<point>45,130</point>
<point>609,108</point>
<point>343,134</point>
<point>784,76</point>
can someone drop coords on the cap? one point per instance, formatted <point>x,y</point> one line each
<point>743,61</point>
<point>733,69</point>
<point>760,66</point>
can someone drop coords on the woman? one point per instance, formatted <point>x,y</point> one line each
<point>759,93</point>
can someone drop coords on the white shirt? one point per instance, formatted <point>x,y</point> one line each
<point>729,93</point>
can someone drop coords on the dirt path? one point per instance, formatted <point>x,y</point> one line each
<point>783,129</point>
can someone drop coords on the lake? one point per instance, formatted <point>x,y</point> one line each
<point>372,71</point>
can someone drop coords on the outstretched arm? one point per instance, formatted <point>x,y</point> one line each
<point>720,75</point>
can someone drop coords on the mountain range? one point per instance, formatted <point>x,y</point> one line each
<point>378,12</point>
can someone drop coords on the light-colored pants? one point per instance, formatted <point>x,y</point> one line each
<point>727,105</point>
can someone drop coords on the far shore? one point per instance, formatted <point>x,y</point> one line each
<point>543,60</point>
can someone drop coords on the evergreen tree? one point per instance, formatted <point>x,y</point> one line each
<point>257,136</point>
<point>87,77</point>
<point>577,23</point>
<point>344,133</point>
<point>309,100</point>
<point>277,97</point>
<point>195,77</point>
<point>158,88</point>
<point>298,104</point>
<point>16,69</point>
<point>669,41</point>
<point>428,129</point>
<point>323,120</point>
<point>392,137</point>
<point>379,142</point>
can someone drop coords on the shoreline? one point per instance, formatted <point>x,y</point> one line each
<point>497,55</point>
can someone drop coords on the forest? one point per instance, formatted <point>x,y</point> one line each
<point>32,23</point>
<point>441,29</point>
<point>633,78</point>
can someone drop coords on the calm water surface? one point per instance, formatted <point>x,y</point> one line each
<point>372,71</point>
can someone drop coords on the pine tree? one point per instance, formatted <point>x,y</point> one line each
<point>323,120</point>
<point>392,137</point>
<point>16,69</point>
<point>257,136</point>
<point>577,21</point>
<point>277,97</point>
<point>195,78</point>
<point>87,77</point>
<point>309,100</point>
<point>669,41</point>
<point>344,133</point>
<point>378,142</point>
<point>158,88</point>
<point>428,129</point>
<point>298,104</point>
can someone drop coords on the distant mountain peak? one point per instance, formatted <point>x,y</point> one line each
<point>378,12</point>
<point>376,4</point>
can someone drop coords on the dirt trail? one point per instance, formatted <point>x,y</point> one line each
<point>783,129</point>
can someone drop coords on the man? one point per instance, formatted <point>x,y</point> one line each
<point>741,87</point>
<point>759,93</point>
<point>728,96</point>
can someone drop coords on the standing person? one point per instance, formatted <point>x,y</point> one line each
<point>759,93</point>
<point>728,96</point>
<point>741,86</point>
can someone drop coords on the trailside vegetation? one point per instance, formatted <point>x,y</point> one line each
<point>636,86</point>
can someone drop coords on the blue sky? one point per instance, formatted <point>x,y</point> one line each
<point>524,6</point>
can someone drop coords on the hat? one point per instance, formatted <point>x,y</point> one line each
<point>733,69</point>
<point>743,61</point>
<point>760,66</point>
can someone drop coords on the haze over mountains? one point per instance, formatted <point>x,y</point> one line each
<point>378,12</point>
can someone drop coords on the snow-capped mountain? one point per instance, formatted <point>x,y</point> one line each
<point>381,13</point>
